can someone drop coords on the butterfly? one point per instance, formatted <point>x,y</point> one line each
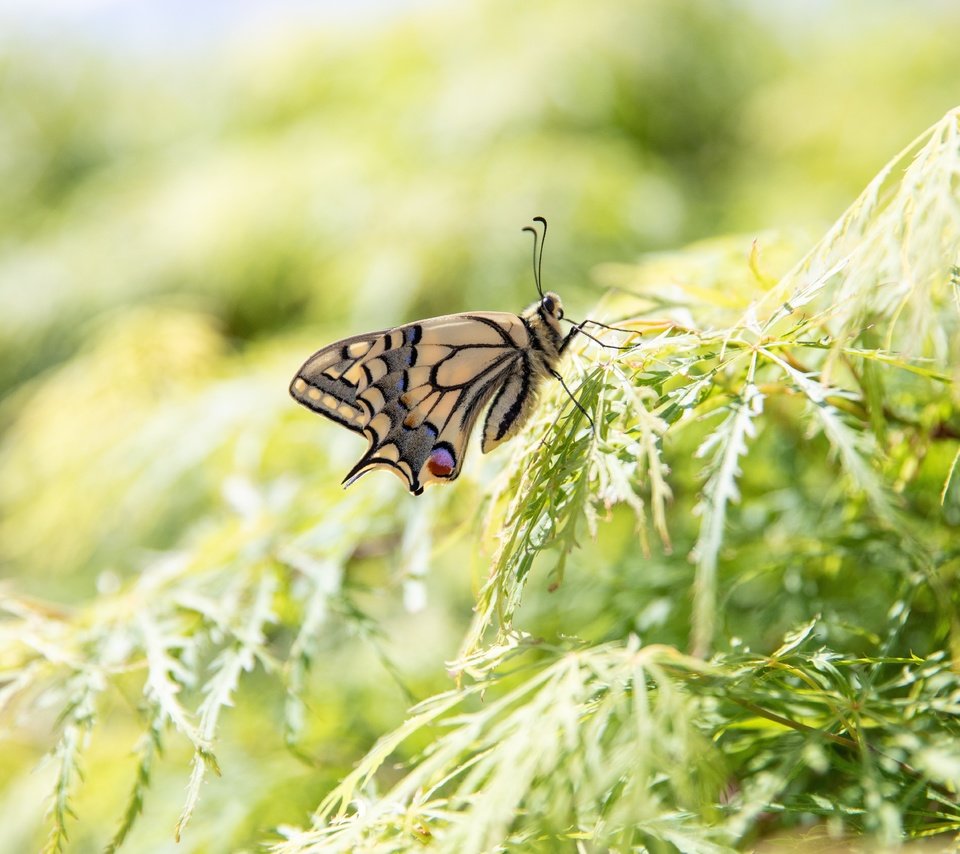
<point>416,391</point>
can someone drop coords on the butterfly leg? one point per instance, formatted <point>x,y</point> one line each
<point>579,329</point>
<point>572,397</point>
<point>569,337</point>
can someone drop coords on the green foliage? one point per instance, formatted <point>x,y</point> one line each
<point>850,720</point>
<point>633,747</point>
<point>599,738</point>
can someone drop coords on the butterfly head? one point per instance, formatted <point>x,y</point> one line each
<point>551,305</point>
<point>543,320</point>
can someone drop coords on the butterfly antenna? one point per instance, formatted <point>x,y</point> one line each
<point>543,239</point>
<point>536,240</point>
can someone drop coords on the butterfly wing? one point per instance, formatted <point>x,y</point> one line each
<point>416,391</point>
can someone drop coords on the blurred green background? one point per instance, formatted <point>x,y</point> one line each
<point>277,171</point>
<point>184,186</point>
<point>196,196</point>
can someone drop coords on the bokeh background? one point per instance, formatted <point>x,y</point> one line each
<point>194,196</point>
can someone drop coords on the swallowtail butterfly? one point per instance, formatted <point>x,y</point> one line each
<point>416,391</point>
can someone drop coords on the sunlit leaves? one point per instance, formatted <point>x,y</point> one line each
<point>637,732</point>
<point>777,445</point>
<point>576,751</point>
<point>806,337</point>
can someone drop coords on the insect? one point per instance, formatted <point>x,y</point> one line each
<point>416,391</point>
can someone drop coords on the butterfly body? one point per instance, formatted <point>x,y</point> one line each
<point>416,391</point>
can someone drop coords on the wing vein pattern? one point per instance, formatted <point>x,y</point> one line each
<point>416,391</point>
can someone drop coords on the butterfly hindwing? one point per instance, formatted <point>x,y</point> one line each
<point>509,411</point>
<point>416,391</point>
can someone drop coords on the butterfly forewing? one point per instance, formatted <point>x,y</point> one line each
<point>416,391</point>
<point>328,383</point>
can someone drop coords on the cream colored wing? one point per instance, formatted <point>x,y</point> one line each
<point>416,391</point>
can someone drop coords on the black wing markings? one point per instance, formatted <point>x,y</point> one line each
<point>331,393</point>
<point>517,406</point>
